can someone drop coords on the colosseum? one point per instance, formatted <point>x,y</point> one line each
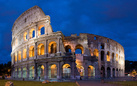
<point>38,53</point>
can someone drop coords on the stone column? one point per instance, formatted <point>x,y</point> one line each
<point>58,46</point>
<point>28,72</point>
<point>46,48</point>
<point>73,70</point>
<point>27,52</point>
<point>85,71</point>
<point>17,72</point>
<point>59,70</point>
<point>105,71</point>
<point>111,70</point>
<point>36,31</point>
<point>21,72</point>
<point>35,50</point>
<point>21,55</point>
<point>35,71</point>
<point>28,37</point>
<point>46,71</point>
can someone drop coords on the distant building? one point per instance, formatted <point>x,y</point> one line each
<point>40,53</point>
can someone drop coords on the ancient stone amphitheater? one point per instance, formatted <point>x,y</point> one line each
<point>38,53</point>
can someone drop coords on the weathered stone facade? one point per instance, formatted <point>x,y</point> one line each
<point>40,53</point>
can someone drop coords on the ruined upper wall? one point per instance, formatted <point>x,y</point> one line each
<point>30,16</point>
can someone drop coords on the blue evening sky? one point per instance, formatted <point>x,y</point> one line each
<point>115,19</point>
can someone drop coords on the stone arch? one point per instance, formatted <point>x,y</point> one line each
<point>80,69</point>
<point>19,55</point>
<point>68,48</point>
<point>25,36</point>
<point>41,30</point>
<point>31,51</point>
<point>24,53</point>
<point>108,72</point>
<point>91,71</point>
<point>24,72</point>
<point>79,49</point>
<point>96,52</point>
<point>102,71</point>
<point>32,33</point>
<point>31,72</point>
<point>108,56</point>
<point>66,71</point>
<point>52,71</point>
<point>41,49</point>
<point>52,47</point>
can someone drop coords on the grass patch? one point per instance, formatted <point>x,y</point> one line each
<point>35,83</point>
<point>125,83</point>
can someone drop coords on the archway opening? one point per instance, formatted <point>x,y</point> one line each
<point>24,54</point>
<point>19,55</point>
<point>31,72</point>
<point>41,49</point>
<point>32,33</point>
<point>53,71</point>
<point>15,57</point>
<point>108,56</point>
<point>15,75</point>
<point>19,73</point>
<point>102,55</point>
<point>40,70</point>
<point>41,30</point>
<point>52,47</point>
<point>68,48</point>
<point>24,72</point>
<point>66,71</point>
<point>91,71</point>
<point>79,49</point>
<point>112,57</point>
<point>113,72</point>
<point>102,72</point>
<point>96,52</point>
<point>80,70</point>
<point>31,51</point>
<point>108,72</point>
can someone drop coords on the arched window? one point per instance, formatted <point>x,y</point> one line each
<point>91,71</point>
<point>53,71</point>
<point>40,70</point>
<point>41,49</point>
<point>68,48</point>
<point>25,36</point>
<point>66,71</point>
<point>41,30</point>
<point>80,70</point>
<point>31,72</point>
<point>108,56</point>
<point>79,49</point>
<point>15,57</point>
<point>116,57</point>
<point>19,73</point>
<point>24,54</point>
<point>31,51</point>
<point>108,72</point>
<point>52,47</point>
<point>102,55</point>
<point>32,33</point>
<point>96,52</point>
<point>24,72</point>
<point>19,55</point>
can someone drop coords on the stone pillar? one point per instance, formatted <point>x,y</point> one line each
<point>46,48</point>
<point>21,72</point>
<point>35,50</point>
<point>111,70</point>
<point>86,71</point>
<point>73,70</point>
<point>46,71</point>
<point>28,37</point>
<point>36,31</point>
<point>17,72</point>
<point>21,55</point>
<point>105,71</point>
<point>35,71</point>
<point>58,46</point>
<point>59,70</point>
<point>27,52</point>
<point>28,72</point>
